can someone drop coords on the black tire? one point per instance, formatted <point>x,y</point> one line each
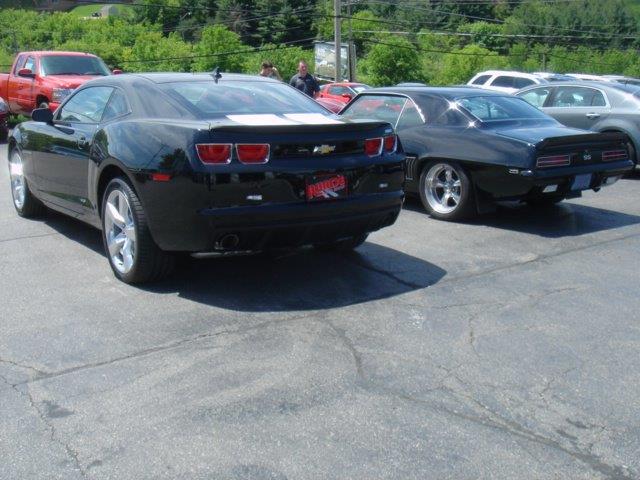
<point>43,104</point>
<point>29,206</point>
<point>343,245</point>
<point>149,262</point>
<point>4,134</point>
<point>466,205</point>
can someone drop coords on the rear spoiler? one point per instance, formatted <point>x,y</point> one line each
<point>605,137</point>
<point>303,128</point>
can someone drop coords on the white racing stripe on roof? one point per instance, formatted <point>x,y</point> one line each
<point>260,119</point>
<point>312,118</point>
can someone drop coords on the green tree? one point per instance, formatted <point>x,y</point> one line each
<point>153,52</point>
<point>462,64</point>
<point>216,49</point>
<point>392,61</point>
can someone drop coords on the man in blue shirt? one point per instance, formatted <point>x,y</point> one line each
<point>304,81</point>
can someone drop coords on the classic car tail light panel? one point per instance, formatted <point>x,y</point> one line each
<point>553,161</point>
<point>214,153</point>
<point>373,146</point>
<point>253,153</point>
<point>613,155</point>
<point>390,143</point>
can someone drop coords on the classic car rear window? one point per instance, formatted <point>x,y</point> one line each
<point>499,108</point>
<point>73,65</point>
<point>211,99</point>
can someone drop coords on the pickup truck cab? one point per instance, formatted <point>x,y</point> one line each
<point>45,79</point>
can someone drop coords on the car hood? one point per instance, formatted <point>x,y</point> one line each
<point>69,81</point>
<point>536,132</point>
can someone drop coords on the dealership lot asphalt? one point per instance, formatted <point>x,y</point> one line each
<point>502,348</point>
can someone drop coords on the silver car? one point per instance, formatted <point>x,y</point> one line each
<point>601,107</point>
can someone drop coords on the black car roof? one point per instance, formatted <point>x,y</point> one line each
<point>445,92</point>
<point>127,78</point>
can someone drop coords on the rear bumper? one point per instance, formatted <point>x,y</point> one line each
<point>522,183</point>
<point>260,227</point>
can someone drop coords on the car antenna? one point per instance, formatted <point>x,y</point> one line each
<point>216,74</point>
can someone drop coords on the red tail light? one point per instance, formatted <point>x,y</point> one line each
<point>554,161</point>
<point>373,146</point>
<point>613,155</point>
<point>216,153</point>
<point>390,144</point>
<point>253,152</point>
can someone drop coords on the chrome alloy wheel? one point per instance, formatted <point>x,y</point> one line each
<point>443,188</point>
<point>18,185</point>
<point>120,231</point>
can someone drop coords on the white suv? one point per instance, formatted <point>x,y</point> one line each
<point>504,81</point>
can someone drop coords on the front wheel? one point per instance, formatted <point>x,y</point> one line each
<point>343,245</point>
<point>23,200</point>
<point>43,104</point>
<point>446,191</point>
<point>133,255</point>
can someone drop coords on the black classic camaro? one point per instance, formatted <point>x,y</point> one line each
<point>165,163</point>
<point>467,147</point>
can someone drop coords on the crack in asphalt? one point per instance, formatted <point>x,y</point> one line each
<point>37,371</point>
<point>161,348</point>
<point>357,357</point>
<point>27,237</point>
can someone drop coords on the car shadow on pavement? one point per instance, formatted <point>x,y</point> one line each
<point>303,279</point>
<point>565,219</point>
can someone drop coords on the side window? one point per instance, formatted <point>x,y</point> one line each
<point>410,117</point>
<point>19,64</point>
<point>116,107</point>
<point>536,97</point>
<point>578,97</point>
<point>30,64</point>
<point>86,106</point>
<point>378,107</point>
<point>502,81</point>
<point>481,80</point>
<point>338,90</point>
<point>522,82</point>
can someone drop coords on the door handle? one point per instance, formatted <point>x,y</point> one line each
<point>592,115</point>
<point>82,141</point>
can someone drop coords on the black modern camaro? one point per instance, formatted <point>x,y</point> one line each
<point>166,163</point>
<point>467,147</point>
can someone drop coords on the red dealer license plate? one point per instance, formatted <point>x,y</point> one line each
<point>326,187</point>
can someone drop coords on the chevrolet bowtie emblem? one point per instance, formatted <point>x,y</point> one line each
<point>323,149</point>
<point>586,156</point>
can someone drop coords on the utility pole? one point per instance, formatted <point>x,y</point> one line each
<point>351,55</point>
<point>336,25</point>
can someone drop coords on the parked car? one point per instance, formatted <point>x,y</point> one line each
<point>44,79</point>
<point>467,147</point>
<point>332,105</point>
<point>596,106</point>
<point>222,165</point>
<point>341,92</point>
<point>505,81</point>
<point>4,113</point>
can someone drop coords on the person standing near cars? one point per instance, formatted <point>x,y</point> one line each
<point>268,70</point>
<point>304,81</point>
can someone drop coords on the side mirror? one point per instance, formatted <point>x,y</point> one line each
<point>42,115</point>
<point>116,71</point>
<point>347,96</point>
<point>26,72</point>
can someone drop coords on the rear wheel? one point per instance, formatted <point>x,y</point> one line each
<point>23,200</point>
<point>343,245</point>
<point>43,104</point>
<point>133,255</point>
<point>446,191</point>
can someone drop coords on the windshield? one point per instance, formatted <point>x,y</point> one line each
<point>499,108</point>
<point>211,99</point>
<point>73,65</point>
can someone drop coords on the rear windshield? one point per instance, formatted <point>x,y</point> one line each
<point>73,65</point>
<point>499,108</point>
<point>360,88</point>
<point>246,97</point>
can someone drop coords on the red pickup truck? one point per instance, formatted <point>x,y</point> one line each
<point>44,79</point>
